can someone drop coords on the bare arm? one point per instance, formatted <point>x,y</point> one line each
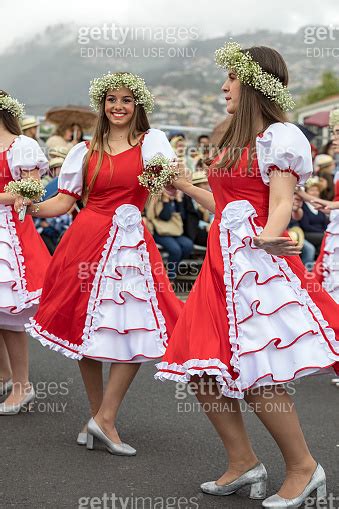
<point>56,206</point>
<point>282,187</point>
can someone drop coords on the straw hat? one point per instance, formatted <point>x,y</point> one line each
<point>55,162</point>
<point>199,177</point>
<point>323,160</point>
<point>58,152</point>
<point>29,122</point>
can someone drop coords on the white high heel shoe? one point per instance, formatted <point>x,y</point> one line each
<point>317,482</point>
<point>94,431</point>
<point>82,438</point>
<point>255,478</point>
<point>15,409</point>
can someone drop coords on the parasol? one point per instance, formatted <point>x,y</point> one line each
<point>81,115</point>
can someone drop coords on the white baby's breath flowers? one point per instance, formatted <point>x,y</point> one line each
<point>30,188</point>
<point>249,72</point>
<point>12,105</point>
<point>334,118</point>
<point>115,81</point>
<point>158,173</point>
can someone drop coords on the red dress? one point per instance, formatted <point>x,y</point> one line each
<point>24,257</point>
<point>106,295</point>
<point>253,319</point>
<point>326,268</point>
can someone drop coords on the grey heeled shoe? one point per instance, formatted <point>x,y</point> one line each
<point>255,478</point>
<point>94,431</point>
<point>82,438</point>
<point>317,482</point>
<point>15,409</point>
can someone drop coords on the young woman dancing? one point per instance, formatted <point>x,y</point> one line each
<point>23,258</point>
<point>107,297</point>
<point>264,322</point>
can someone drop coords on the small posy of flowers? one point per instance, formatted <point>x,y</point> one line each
<point>249,72</point>
<point>12,105</point>
<point>30,188</point>
<point>334,118</point>
<point>115,81</point>
<point>158,173</point>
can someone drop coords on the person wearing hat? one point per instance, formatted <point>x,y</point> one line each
<point>197,220</point>
<point>29,126</point>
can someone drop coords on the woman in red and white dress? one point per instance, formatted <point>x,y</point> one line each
<point>106,296</point>
<point>265,322</point>
<point>23,258</point>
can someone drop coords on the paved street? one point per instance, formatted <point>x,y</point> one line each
<point>42,466</point>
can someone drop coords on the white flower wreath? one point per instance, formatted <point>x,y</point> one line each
<point>249,72</point>
<point>133,82</point>
<point>11,105</point>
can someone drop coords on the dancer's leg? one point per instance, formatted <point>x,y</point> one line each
<point>120,378</point>
<point>276,410</point>
<point>17,348</point>
<point>225,415</point>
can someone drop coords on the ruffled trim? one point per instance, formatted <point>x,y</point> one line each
<point>53,342</point>
<point>214,367</point>
<point>14,261</point>
<point>126,233</point>
<point>331,257</point>
<point>70,193</point>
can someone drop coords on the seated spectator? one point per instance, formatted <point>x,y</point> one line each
<point>65,137</point>
<point>297,234</point>
<point>205,146</point>
<point>52,229</point>
<point>166,216</point>
<point>197,220</point>
<point>314,222</point>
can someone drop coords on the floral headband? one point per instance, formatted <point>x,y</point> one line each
<point>11,105</point>
<point>334,118</point>
<point>249,72</point>
<point>133,82</point>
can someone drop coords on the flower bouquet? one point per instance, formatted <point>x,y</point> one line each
<point>31,189</point>
<point>158,173</point>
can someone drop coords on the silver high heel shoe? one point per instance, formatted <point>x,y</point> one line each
<point>15,409</point>
<point>317,482</point>
<point>256,478</point>
<point>82,438</point>
<point>94,431</point>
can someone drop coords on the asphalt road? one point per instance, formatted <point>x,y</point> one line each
<point>43,467</point>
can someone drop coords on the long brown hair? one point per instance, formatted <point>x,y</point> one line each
<point>242,130</point>
<point>10,122</point>
<point>138,125</point>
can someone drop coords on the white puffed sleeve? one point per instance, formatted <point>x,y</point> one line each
<point>25,155</point>
<point>70,177</point>
<point>283,146</point>
<point>156,142</point>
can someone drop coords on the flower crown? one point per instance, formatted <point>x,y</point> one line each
<point>334,118</point>
<point>11,105</point>
<point>249,72</point>
<point>133,82</point>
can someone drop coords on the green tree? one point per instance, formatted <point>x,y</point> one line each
<point>329,86</point>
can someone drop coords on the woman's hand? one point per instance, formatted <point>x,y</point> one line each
<point>184,178</point>
<point>278,246</point>
<point>19,203</point>
<point>323,205</point>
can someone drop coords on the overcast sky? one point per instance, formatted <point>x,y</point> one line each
<point>24,18</point>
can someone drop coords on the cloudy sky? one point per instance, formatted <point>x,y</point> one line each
<point>212,18</point>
